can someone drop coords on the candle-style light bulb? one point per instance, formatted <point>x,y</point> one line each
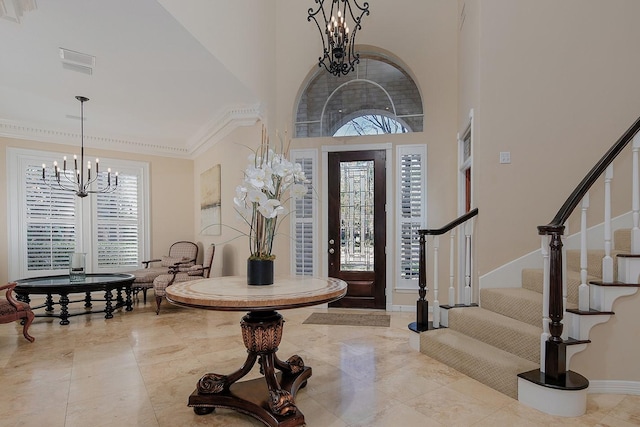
<point>75,162</point>
<point>43,167</point>
<point>64,163</point>
<point>97,166</point>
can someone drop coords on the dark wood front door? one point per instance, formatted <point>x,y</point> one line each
<point>357,226</point>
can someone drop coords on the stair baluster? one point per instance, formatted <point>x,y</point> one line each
<point>635,197</point>
<point>436,302</point>
<point>468,228</point>
<point>583,290</point>
<point>607,261</point>
<point>452,263</point>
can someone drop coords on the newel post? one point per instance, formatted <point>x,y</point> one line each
<point>556,356</point>
<point>422,312</point>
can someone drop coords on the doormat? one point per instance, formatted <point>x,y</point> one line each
<point>349,319</point>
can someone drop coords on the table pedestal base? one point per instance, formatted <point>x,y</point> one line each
<point>270,399</point>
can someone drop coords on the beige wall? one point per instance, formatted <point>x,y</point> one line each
<point>556,99</point>
<point>171,198</point>
<point>554,83</point>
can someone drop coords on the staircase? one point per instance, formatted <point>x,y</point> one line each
<point>500,339</point>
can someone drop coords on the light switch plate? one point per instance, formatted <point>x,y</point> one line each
<point>505,157</point>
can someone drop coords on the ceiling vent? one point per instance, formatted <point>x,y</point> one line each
<point>77,61</point>
<point>77,68</point>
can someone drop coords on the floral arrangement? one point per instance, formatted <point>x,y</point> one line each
<point>270,180</point>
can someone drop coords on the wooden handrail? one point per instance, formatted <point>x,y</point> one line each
<point>421,324</point>
<point>581,190</point>
<point>456,222</point>
<point>555,348</point>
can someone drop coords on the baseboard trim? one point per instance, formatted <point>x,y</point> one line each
<point>396,307</point>
<point>614,387</point>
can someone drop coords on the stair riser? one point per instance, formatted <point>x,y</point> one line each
<point>506,336</point>
<point>523,310</point>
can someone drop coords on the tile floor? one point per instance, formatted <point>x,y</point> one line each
<point>138,369</point>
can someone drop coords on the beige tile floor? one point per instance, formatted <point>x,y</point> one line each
<point>138,369</point>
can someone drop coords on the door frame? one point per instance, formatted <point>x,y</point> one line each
<point>324,246</point>
<point>465,190</point>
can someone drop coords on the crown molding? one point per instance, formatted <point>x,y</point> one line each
<point>16,130</point>
<point>217,129</point>
<point>211,134</point>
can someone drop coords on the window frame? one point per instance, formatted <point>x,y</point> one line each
<point>85,214</point>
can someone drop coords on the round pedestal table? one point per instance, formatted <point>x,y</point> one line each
<point>271,398</point>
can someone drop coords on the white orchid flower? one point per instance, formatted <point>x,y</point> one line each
<point>298,191</point>
<point>270,208</point>
<point>256,196</point>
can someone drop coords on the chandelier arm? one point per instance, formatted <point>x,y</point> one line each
<point>58,184</point>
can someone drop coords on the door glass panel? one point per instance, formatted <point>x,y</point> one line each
<point>356,216</point>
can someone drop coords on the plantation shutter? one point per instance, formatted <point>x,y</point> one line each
<point>412,211</point>
<point>50,221</point>
<point>304,221</point>
<point>117,224</point>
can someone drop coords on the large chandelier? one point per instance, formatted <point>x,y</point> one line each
<point>73,179</point>
<point>337,42</point>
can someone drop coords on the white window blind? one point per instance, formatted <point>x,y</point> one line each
<point>411,200</point>
<point>46,225</point>
<point>304,218</point>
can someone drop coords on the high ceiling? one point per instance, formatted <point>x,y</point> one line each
<point>154,87</point>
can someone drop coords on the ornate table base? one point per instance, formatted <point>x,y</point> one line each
<point>270,399</point>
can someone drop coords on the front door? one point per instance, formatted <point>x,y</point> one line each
<point>357,226</point>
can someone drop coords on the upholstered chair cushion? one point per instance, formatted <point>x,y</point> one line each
<point>168,261</point>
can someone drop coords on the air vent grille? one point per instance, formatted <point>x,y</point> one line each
<point>77,57</point>
<point>78,68</point>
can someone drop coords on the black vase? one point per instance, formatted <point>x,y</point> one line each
<point>259,272</point>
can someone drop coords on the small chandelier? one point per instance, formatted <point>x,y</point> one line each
<point>337,43</point>
<point>73,179</point>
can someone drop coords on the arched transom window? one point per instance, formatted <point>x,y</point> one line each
<point>379,97</point>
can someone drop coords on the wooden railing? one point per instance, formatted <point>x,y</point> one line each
<point>554,362</point>
<point>422,323</point>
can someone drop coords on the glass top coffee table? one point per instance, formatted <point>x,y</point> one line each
<point>63,286</point>
<point>270,399</point>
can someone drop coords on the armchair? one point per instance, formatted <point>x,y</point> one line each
<point>182,274</point>
<point>12,310</point>
<point>181,254</point>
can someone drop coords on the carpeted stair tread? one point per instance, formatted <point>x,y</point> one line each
<point>490,365</point>
<point>518,303</point>
<point>514,336</point>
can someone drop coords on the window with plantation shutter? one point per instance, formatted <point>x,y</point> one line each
<point>411,201</point>
<point>47,224</point>
<point>49,221</point>
<point>304,218</point>
<point>117,224</point>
